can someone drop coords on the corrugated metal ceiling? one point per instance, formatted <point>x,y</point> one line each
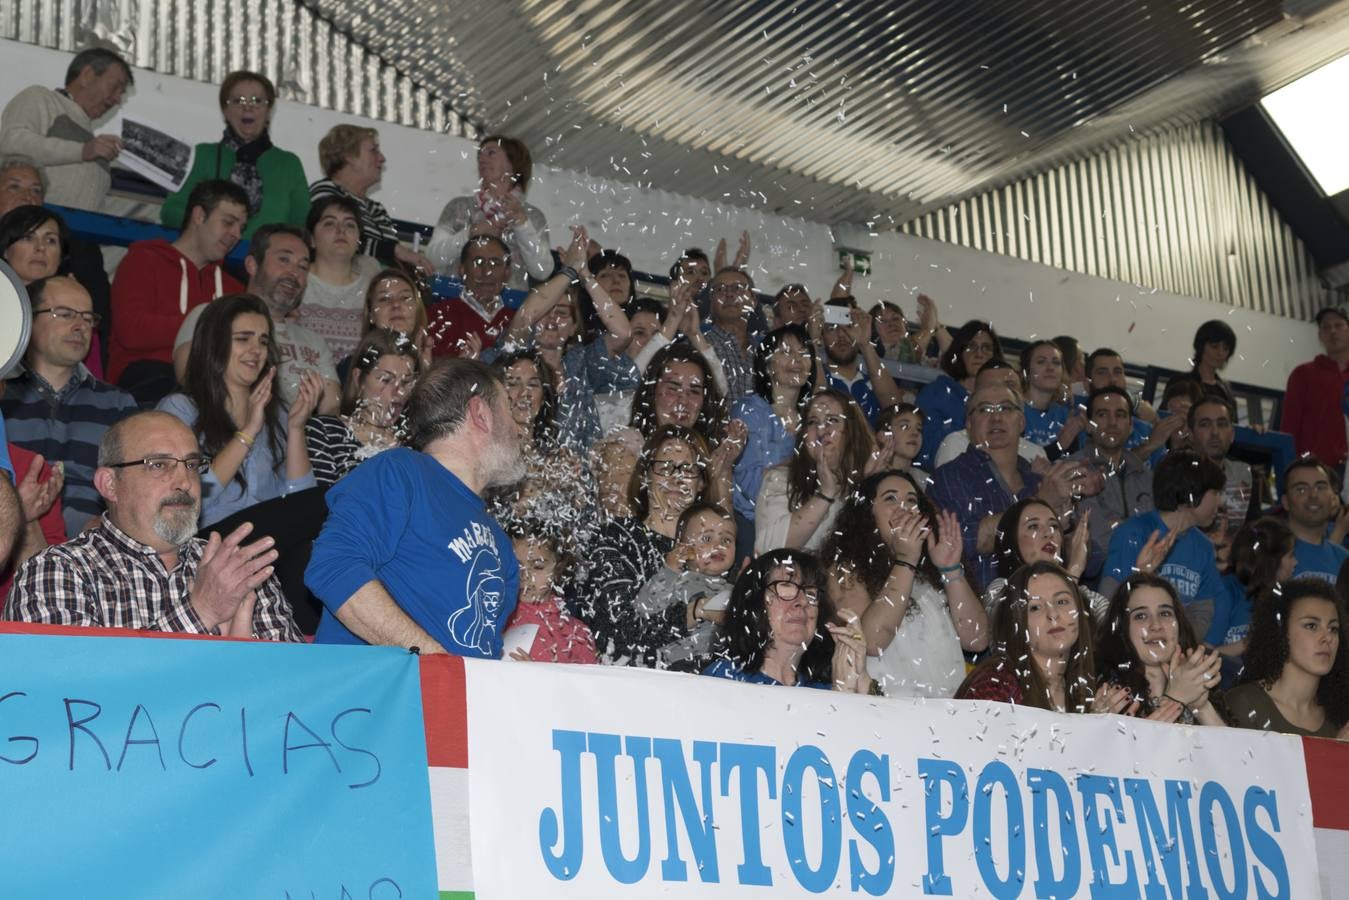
<point>835,111</point>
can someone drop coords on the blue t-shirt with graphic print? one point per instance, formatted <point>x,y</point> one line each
<point>406,521</point>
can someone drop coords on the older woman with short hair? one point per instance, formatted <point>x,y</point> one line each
<point>497,208</point>
<point>273,178</point>
<point>352,166</point>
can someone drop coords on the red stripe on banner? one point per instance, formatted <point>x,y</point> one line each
<point>1328,782</point>
<point>445,711</point>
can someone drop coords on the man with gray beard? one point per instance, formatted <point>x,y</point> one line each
<point>141,566</point>
<point>409,555</point>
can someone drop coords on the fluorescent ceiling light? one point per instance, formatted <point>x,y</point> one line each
<point>1309,112</point>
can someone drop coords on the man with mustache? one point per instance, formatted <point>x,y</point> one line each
<point>159,282</point>
<point>143,567</point>
<point>409,555</point>
<point>278,270</point>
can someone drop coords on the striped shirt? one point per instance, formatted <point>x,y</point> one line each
<point>379,238</point>
<point>104,578</point>
<point>65,426</point>
<point>333,448</point>
<point>738,364</point>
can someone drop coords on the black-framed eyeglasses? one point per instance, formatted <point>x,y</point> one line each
<point>161,466</point>
<point>248,101</point>
<point>790,592</point>
<point>66,314</point>
<point>667,467</point>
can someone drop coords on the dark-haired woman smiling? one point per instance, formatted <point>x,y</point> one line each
<point>1148,647</point>
<point>257,449</point>
<point>894,561</point>
<point>1042,646</point>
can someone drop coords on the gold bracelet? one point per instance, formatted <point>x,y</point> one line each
<point>244,439</point>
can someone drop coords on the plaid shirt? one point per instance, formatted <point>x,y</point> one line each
<point>971,487</point>
<point>104,579</point>
<point>736,363</point>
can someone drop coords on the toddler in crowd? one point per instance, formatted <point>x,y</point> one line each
<point>690,590</point>
<point>560,637</point>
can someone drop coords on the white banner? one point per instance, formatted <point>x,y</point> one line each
<point>623,783</point>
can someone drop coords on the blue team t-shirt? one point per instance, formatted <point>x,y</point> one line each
<point>1191,566</point>
<point>1318,560</point>
<point>859,389</point>
<point>1043,426</point>
<point>405,520</point>
<point>1231,614</point>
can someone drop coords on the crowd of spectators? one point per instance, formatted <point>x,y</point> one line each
<point>311,447</point>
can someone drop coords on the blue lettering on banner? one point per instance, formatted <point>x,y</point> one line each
<point>1077,831</point>
<point>1100,825</point>
<point>316,753</point>
<point>1044,784</point>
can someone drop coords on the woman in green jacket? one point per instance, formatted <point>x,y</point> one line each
<point>274,179</point>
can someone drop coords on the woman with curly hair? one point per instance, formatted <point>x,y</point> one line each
<point>669,478</point>
<point>800,499</point>
<point>1148,647</point>
<point>894,560</point>
<point>1296,679</point>
<point>779,630</point>
<point>1042,646</point>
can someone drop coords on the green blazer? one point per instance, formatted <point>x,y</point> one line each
<point>285,190</point>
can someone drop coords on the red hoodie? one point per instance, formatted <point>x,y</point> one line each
<point>153,290</point>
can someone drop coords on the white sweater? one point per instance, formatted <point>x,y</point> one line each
<point>51,129</point>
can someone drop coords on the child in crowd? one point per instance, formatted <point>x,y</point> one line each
<point>560,636</point>
<point>899,431</point>
<point>690,590</point>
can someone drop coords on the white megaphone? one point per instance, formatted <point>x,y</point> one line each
<point>16,319</point>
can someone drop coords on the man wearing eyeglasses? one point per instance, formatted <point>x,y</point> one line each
<point>478,311</point>
<point>54,406</point>
<point>981,483</point>
<point>733,306</point>
<point>142,566</point>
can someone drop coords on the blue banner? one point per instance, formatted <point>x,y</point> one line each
<point>184,768</point>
